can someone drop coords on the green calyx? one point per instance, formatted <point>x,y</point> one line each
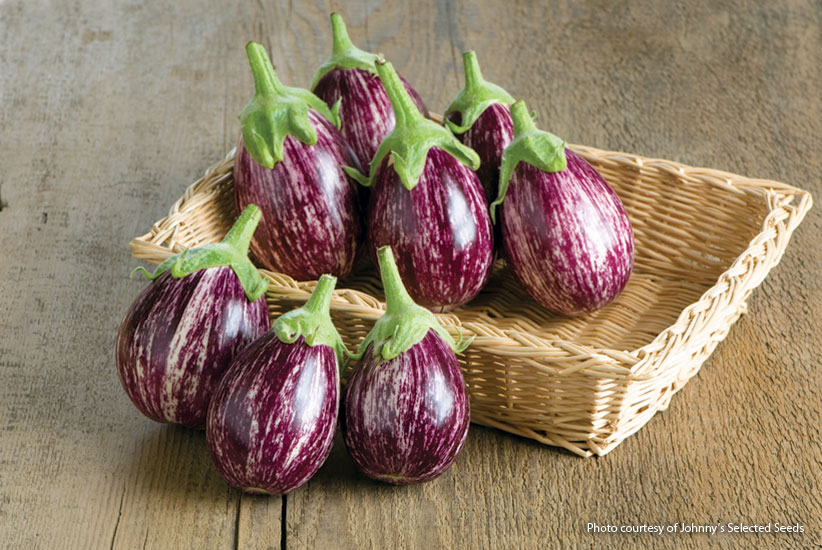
<point>405,323</point>
<point>475,97</point>
<point>412,137</point>
<point>277,111</point>
<point>313,321</point>
<point>542,150</point>
<point>344,54</point>
<point>232,251</point>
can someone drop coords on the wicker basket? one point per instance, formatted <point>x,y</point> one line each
<point>704,240</point>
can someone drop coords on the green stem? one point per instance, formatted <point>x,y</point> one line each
<point>522,119</point>
<point>412,137</point>
<point>404,323</point>
<point>344,54</point>
<point>313,321</point>
<point>473,75</point>
<point>239,236</point>
<point>530,145</point>
<point>405,111</point>
<point>342,42</point>
<point>396,296</point>
<point>232,252</point>
<point>265,80</point>
<point>277,111</point>
<point>476,96</point>
<point>320,300</point>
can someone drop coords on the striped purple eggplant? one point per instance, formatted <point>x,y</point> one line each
<point>272,421</point>
<point>349,77</point>
<point>565,232</point>
<point>406,410</point>
<point>479,115</point>
<point>427,203</point>
<point>180,335</point>
<point>289,162</point>
<point>440,229</point>
<point>490,134</point>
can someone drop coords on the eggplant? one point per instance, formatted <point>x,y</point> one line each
<point>406,410</point>
<point>180,335</point>
<point>272,420</point>
<point>427,203</point>
<point>479,116</point>
<point>289,162</point>
<point>565,232</point>
<point>349,79</point>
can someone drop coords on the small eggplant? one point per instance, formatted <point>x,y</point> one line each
<point>272,421</point>
<point>427,203</point>
<point>349,78</point>
<point>289,162</point>
<point>179,336</point>
<point>406,410</point>
<point>565,232</point>
<point>479,115</point>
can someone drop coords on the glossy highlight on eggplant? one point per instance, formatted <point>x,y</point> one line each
<point>406,419</point>
<point>272,421</point>
<point>349,77</point>
<point>440,231</point>
<point>180,335</point>
<point>406,408</point>
<point>312,215</point>
<point>312,223</point>
<point>565,232</point>
<point>427,203</point>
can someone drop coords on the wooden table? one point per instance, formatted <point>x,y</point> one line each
<point>108,109</point>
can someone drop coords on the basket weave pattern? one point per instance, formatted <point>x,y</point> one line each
<point>704,240</point>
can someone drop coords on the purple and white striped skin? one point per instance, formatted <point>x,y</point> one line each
<point>567,236</point>
<point>427,204</point>
<point>365,111</point>
<point>178,339</point>
<point>406,410</point>
<point>480,117</point>
<point>489,136</point>
<point>440,230</point>
<point>349,77</point>
<point>406,419</point>
<point>311,215</point>
<point>289,162</point>
<point>272,421</point>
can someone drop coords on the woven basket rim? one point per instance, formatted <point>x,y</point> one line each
<point>647,376</point>
<point>780,196</point>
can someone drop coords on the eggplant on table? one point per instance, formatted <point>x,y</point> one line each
<point>565,232</point>
<point>480,116</point>
<point>406,410</point>
<point>272,420</point>
<point>289,162</point>
<point>427,204</point>
<point>179,336</point>
<point>349,80</point>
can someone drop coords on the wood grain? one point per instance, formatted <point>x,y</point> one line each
<point>109,109</point>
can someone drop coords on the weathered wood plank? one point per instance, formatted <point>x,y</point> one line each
<point>108,111</point>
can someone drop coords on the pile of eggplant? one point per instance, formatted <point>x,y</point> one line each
<point>321,177</point>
